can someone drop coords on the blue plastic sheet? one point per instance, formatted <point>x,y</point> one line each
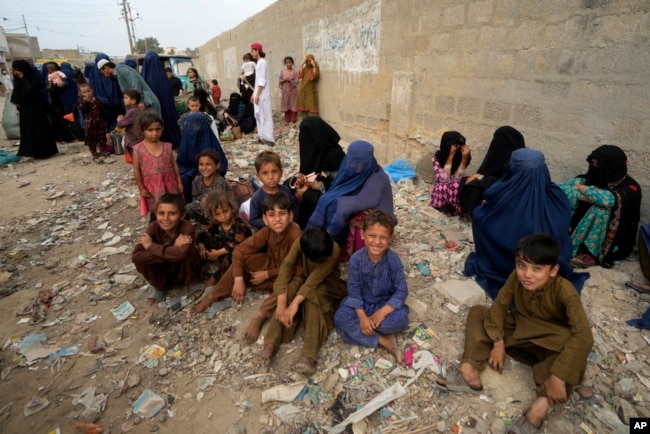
<point>400,169</point>
<point>7,158</point>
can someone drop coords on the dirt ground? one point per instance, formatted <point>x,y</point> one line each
<point>69,225</point>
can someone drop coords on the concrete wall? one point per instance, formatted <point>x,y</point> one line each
<point>569,74</point>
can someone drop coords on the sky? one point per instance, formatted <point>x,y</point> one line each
<point>98,25</point>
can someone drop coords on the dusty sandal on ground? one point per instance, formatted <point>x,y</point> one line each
<point>584,260</point>
<point>641,288</point>
<point>156,297</point>
<point>522,426</point>
<point>456,383</point>
<point>195,292</point>
<point>304,365</point>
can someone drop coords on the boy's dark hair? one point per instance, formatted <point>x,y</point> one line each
<point>194,98</point>
<point>214,155</point>
<point>215,82</point>
<point>219,198</point>
<point>539,249</point>
<point>85,85</point>
<point>168,69</point>
<point>134,94</point>
<point>288,58</point>
<point>316,244</point>
<point>248,57</point>
<point>266,157</point>
<point>172,199</point>
<point>381,218</point>
<point>148,117</point>
<point>279,200</point>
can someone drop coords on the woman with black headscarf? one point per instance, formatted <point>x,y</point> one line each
<point>320,158</point>
<point>506,139</point>
<point>449,165</point>
<point>606,205</point>
<point>240,113</point>
<point>36,135</point>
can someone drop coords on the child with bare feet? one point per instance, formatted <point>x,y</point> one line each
<point>165,253</point>
<point>548,330</point>
<point>256,262</point>
<point>374,308</point>
<point>310,296</point>
<point>220,238</point>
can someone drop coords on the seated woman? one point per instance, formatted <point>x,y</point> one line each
<point>506,140</point>
<point>540,207</point>
<point>606,206</point>
<point>241,113</point>
<point>449,165</point>
<point>197,136</point>
<point>360,185</point>
<point>320,158</point>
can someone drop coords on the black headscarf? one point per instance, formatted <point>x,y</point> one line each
<point>506,140</point>
<point>610,167</point>
<point>319,146</point>
<point>448,139</point>
<point>233,103</point>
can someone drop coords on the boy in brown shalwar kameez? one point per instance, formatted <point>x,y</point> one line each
<point>256,262</point>
<point>548,330</point>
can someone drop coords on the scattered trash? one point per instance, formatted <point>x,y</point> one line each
<point>148,404</point>
<point>150,355</point>
<point>35,405</point>
<point>283,392</point>
<point>123,311</point>
<point>422,334</point>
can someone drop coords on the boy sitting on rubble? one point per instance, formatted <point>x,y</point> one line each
<point>309,289</point>
<point>374,308</point>
<point>548,330</point>
<point>256,262</point>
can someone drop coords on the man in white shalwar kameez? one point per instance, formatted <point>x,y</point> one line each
<point>262,96</point>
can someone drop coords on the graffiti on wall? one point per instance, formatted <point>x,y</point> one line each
<point>348,41</point>
<point>230,64</point>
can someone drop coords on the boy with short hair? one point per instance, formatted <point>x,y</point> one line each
<point>165,253</point>
<point>269,171</point>
<point>374,308</point>
<point>309,282</point>
<point>193,106</point>
<point>256,262</point>
<point>549,330</point>
<point>129,122</point>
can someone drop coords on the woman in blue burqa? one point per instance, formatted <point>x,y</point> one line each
<point>154,74</point>
<point>197,136</point>
<point>106,90</point>
<point>523,202</point>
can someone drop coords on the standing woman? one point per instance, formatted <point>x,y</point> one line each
<point>36,136</point>
<point>307,95</point>
<point>194,80</point>
<point>289,85</point>
<point>262,96</point>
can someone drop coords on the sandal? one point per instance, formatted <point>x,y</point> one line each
<point>456,383</point>
<point>584,260</point>
<point>522,426</point>
<point>641,288</point>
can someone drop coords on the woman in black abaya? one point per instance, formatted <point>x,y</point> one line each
<point>36,136</point>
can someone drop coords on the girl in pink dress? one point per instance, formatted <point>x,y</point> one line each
<point>289,85</point>
<point>154,166</point>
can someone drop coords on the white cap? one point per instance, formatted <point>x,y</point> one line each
<point>101,63</point>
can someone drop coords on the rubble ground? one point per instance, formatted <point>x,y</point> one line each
<point>67,231</point>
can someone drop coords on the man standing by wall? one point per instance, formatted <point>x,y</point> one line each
<point>262,96</point>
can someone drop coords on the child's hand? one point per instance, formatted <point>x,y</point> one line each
<point>366,326</point>
<point>144,193</point>
<point>258,277</point>
<point>180,188</point>
<point>497,356</point>
<point>145,240</point>
<point>182,240</point>
<point>213,255</point>
<point>288,315</point>
<point>377,318</point>
<point>119,117</point>
<point>280,310</point>
<point>555,390</point>
<point>239,290</point>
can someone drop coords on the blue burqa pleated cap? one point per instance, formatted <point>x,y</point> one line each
<point>643,322</point>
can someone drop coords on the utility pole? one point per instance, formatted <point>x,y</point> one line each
<point>125,14</point>
<point>29,41</point>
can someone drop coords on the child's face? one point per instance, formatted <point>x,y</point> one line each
<point>278,219</point>
<point>288,63</point>
<point>153,132</point>
<point>128,101</point>
<point>377,239</point>
<point>207,167</point>
<point>533,277</point>
<point>270,175</point>
<point>194,106</point>
<point>86,92</point>
<point>168,217</point>
<point>223,214</point>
